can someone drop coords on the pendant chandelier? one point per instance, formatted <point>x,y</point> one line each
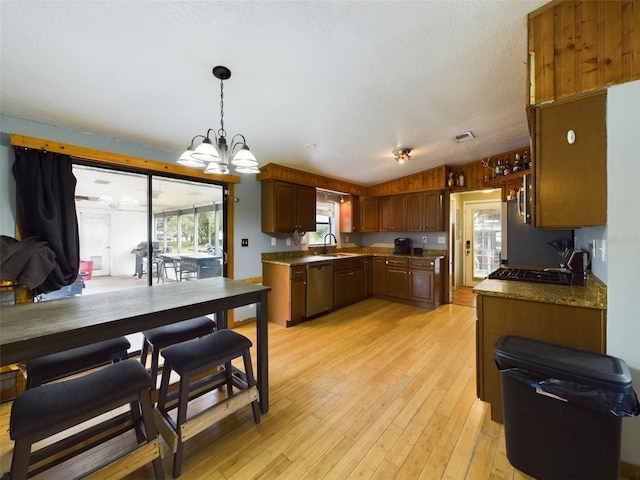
<point>214,158</point>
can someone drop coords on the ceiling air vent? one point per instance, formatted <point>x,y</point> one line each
<point>463,137</point>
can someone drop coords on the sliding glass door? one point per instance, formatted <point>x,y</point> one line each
<point>120,212</point>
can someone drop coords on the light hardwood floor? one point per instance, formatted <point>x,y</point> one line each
<point>377,390</point>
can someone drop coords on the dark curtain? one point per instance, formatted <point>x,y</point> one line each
<point>45,190</point>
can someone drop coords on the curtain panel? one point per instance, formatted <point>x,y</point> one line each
<point>45,190</point>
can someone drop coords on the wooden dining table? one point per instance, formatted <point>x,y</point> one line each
<point>31,330</point>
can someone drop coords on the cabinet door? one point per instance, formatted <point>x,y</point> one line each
<point>341,288</point>
<point>570,165</point>
<point>305,208</point>
<point>421,285</point>
<point>298,299</point>
<point>397,278</point>
<point>378,282</point>
<point>349,215</point>
<point>278,206</point>
<point>367,280</point>
<point>357,284</point>
<point>415,212</point>
<point>369,214</point>
<point>393,213</point>
<point>433,217</point>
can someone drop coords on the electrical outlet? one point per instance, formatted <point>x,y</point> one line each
<point>346,238</point>
<point>273,242</point>
<point>288,242</point>
<point>424,239</point>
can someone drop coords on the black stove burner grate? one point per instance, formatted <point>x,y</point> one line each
<point>553,277</point>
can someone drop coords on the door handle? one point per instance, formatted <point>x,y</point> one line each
<point>468,247</point>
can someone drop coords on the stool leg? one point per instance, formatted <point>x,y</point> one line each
<point>20,460</point>
<point>144,399</point>
<point>155,354</point>
<point>144,352</point>
<point>164,388</point>
<point>248,371</point>
<point>137,423</point>
<point>185,381</point>
<point>228,373</point>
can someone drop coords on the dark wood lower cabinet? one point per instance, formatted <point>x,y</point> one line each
<point>414,280</point>
<point>577,327</point>
<point>397,278</point>
<point>348,281</point>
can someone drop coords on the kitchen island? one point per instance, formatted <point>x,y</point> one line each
<point>568,315</point>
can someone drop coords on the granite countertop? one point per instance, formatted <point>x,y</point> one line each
<point>592,295</point>
<point>303,258</point>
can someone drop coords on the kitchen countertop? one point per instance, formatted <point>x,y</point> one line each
<point>303,258</point>
<point>592,295</point>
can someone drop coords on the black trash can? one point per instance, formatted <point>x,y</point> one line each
<point>563,408</point>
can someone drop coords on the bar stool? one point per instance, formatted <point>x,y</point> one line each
<point>59,365</point>
<point>158,338</point>
<point>46,410</point>
<point>190,359</point>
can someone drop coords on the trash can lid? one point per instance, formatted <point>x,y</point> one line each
<point>562,362</point>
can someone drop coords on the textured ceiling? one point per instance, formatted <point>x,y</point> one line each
<point>357,79</point>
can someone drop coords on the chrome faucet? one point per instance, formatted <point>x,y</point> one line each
<point>325,248</point>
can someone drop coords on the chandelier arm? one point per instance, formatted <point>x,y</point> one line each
<point>234,144</point>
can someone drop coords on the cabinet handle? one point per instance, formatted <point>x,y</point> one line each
<point>432,264</point>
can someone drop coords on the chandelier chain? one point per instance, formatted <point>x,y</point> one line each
<point>221,132</point>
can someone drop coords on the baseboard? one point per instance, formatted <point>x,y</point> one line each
<point>630,471</point>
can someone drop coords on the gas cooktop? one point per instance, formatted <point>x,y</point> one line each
<point>554,277</point>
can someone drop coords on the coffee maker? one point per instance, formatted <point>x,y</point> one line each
<point>402,246</point>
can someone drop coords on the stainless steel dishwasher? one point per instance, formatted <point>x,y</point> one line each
<point>319,287</point>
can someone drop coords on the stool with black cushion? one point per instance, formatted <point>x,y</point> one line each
<point>46,410</point>
<point>158,338</point>
<point>190,359</point>
<point>59,365</point>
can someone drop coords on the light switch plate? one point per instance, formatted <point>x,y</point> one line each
<point>442,240</point>
<point>273,242</point>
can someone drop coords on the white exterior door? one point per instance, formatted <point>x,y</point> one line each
<point>95,241</point>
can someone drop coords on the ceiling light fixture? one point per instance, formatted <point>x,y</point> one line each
<point>214,158</point>
<point>402,154</point>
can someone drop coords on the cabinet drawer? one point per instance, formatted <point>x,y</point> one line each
<point>348,264</point>
<point>397,262</point>
<point>421,263</point>
<point>297,272</point>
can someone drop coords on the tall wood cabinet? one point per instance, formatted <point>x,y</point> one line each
<point>287,207</point>
<point>570,164</point>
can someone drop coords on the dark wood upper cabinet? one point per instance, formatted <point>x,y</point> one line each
<point>369,214</point>
<point>393,213</point>
<point>287,207</point>
<point>424,212</point>
<point>570,167</point>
